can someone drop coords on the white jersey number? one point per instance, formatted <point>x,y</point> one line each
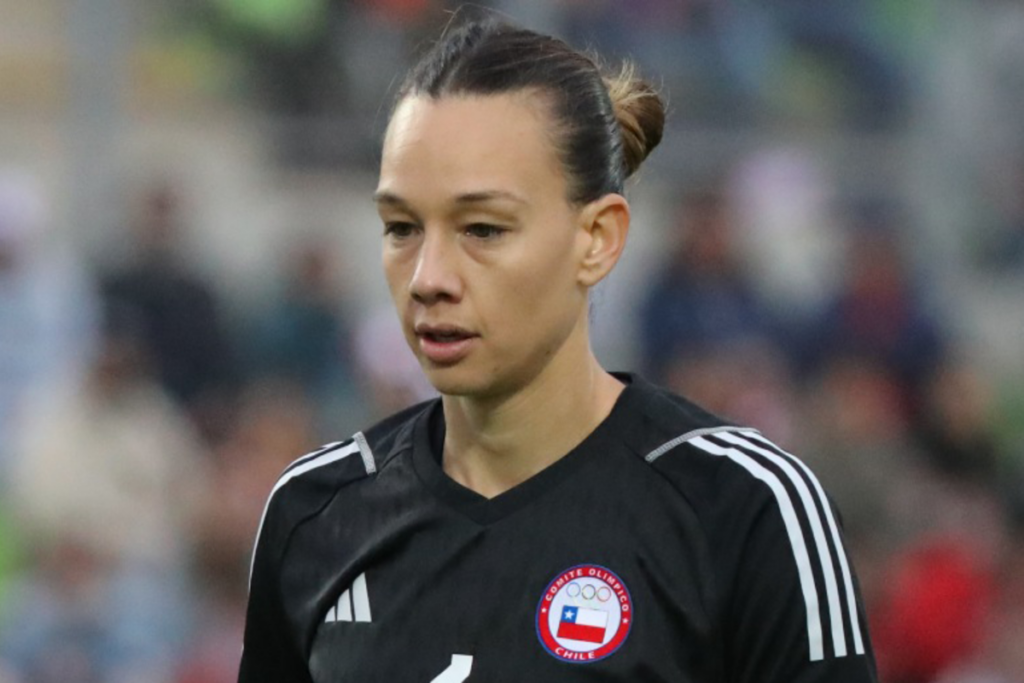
<point>457,671</point>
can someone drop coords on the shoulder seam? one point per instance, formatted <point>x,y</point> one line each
<point>679,440</point>
<point>364,449</point>
<point>705,598</point>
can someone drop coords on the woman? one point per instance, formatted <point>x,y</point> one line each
<point>543,520</point>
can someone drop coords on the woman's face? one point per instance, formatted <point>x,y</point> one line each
<point>482,249</point>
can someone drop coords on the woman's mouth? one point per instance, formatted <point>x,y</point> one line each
<point>445,337</point>
<point>444,345</point>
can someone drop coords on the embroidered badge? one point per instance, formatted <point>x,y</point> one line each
<point>584,615</point>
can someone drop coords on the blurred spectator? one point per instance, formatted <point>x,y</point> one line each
<point>879,314</point>
<point>748,382</point>
<point>48,307</point>
<point>939,601</point>
<point>950,607</point>
<point>858,441</point>
<point>306,66</point>
<point>390,375</point>
<point>839,33</point>
<point>1004,652</point>
<point>275,426</point>
<point>176,311</point>
<point>988,102</point>
<point>727,61</point>
<point>945,616</point>
<point>1004,248</point>
<point>927,533</point>
<point>105,485</point>
<point>704,299</point>
<point>782,200</point>
<point>286,43</point>
<point>386,33</point>
<point>999,656</point>
<point>685,43</point>
<point>303,335</point>
<point>956,425</point>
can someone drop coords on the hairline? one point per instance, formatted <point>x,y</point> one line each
<point>540,99</point>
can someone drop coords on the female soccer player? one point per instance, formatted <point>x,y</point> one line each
<point>544,520</point>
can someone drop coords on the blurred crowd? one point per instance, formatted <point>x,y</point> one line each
<point>741,62</point>
<point>872,387</point>
<point>141,428</point>
<point>145,416</point>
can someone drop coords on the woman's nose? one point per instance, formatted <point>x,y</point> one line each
<point>435,276</point>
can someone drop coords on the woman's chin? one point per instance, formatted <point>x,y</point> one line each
<point>462,382</point>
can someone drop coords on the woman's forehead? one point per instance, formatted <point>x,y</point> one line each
<point>473,141</point>
<point>516,104</point>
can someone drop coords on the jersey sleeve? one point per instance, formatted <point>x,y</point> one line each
<point>271,652</point>
<point>794,614</point>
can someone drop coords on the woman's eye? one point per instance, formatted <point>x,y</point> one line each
<point>484,230</point>
<point>399,229</point>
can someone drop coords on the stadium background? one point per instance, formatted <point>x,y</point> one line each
<point>829,245</point>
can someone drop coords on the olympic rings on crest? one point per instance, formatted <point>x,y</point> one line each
<point>589,592</point>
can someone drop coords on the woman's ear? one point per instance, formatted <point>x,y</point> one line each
<point>604,224</point>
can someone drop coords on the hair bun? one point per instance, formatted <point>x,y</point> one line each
<point>640,112</point>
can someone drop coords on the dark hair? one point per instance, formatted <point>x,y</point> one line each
<point>605,126</point>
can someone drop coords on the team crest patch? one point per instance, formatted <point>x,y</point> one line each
<point>585,614</point>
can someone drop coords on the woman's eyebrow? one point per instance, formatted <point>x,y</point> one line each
<point>384,197</point>
<point>388,198</point>
<point>488,195</point>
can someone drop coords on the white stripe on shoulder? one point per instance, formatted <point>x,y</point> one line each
<point>679,440</point>
<point>824,553</point>
<point>793,530</point>
<point>307,463</point>
<point>844,565</point>
<point>313,454</point>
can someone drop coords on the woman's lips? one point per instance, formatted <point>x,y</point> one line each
<point>445,345</point>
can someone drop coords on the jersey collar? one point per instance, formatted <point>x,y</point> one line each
<point>428,440</point>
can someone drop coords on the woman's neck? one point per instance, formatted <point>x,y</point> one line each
<point>495,444</point>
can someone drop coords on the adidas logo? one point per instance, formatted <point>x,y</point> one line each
<point>353,605</point>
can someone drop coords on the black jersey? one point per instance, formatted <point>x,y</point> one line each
<point>668,546</point>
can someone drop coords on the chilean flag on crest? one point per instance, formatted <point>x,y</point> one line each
<point>580,623</point>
